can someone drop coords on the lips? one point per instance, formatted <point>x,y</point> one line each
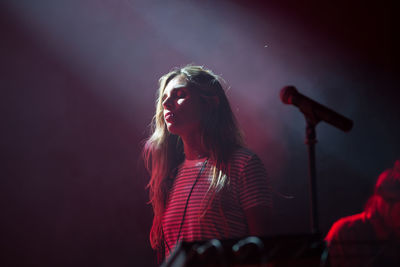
<point>169,116</point>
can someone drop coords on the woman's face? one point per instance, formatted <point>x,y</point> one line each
<point>182,108</point>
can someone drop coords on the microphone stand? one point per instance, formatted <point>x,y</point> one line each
<point>314,113</point>
<point>310,141</point>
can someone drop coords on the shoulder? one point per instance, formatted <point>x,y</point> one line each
<point>243,156</point>
<point>348,227</point>
<point>245,165</point>
<point>351,221</point>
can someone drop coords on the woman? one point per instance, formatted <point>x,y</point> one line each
<point>204,184</point>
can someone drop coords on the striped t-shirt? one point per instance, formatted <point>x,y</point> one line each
<point>248,187</point>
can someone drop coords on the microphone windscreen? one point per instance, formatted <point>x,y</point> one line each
<point>287,93</point>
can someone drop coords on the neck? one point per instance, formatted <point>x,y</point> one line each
<point>193,148</point>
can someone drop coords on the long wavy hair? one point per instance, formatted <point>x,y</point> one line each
<point>163,151</point>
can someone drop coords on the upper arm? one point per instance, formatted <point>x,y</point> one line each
<point>256,197</point>
<point>254,185</point>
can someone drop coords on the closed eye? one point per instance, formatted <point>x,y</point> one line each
<point>176,93</point>
<point>181,93</point>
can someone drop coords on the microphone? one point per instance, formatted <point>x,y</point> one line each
<point>313,110</point>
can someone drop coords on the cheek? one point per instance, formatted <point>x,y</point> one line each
<point>189,107</point>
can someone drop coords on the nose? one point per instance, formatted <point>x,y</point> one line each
<point>167,102</point>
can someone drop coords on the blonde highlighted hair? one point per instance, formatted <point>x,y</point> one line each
<point>163,151</point>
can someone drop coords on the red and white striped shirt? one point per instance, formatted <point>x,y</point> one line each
<point>248,187</point>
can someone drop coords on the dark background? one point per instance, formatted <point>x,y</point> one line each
<point>78,83</point>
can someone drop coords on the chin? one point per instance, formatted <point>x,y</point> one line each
<point>172,130</point>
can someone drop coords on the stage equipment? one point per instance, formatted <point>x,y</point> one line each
<point>276,251</point>
<point>313,110</point>
<point>313,113</point>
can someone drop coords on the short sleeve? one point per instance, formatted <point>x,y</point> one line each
<point>254,185</point>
